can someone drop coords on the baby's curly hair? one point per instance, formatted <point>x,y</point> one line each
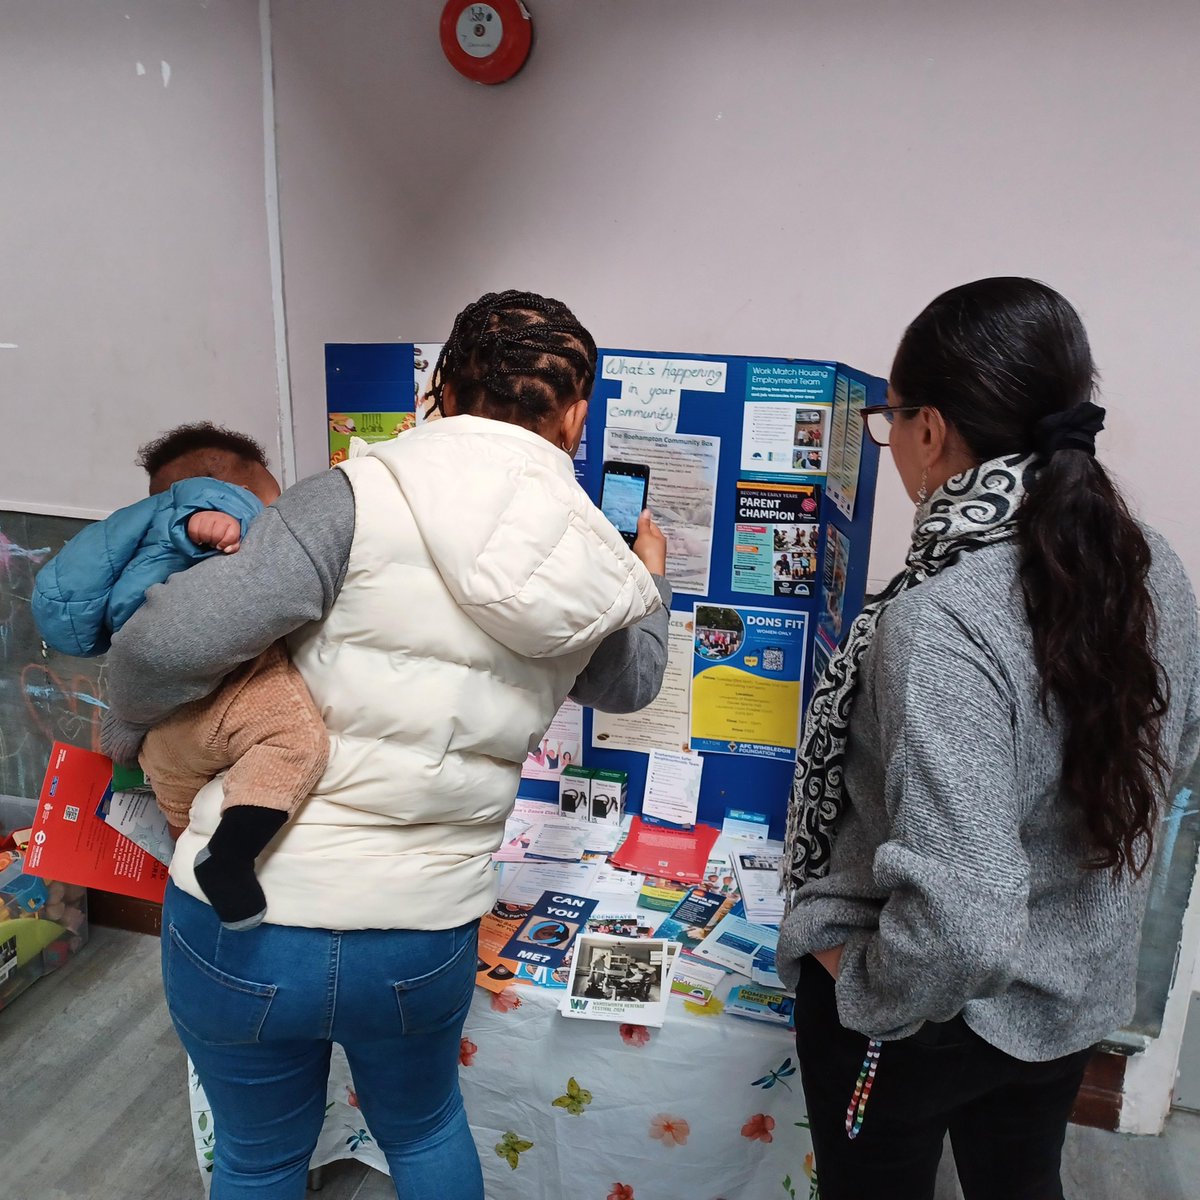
<point>199,438</point>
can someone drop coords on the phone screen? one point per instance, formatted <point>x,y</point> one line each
<point>622,500</point>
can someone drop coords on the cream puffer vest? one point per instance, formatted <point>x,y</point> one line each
<point>481,579</point>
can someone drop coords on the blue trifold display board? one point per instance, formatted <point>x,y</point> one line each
<point>752,404</point>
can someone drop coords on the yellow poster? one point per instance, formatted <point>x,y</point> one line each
<point>747,664</point>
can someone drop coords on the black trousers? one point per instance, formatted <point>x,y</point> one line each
<point>1007,1119</point>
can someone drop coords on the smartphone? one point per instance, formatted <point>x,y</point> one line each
<point>623,496</point>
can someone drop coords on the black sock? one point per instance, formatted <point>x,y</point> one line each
<point>225,867</point>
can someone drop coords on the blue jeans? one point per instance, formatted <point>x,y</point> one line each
<point>257,1011</point>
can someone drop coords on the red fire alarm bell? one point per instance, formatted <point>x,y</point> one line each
<point>487,43</point>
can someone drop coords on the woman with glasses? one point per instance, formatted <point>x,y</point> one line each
<point>983,768</point>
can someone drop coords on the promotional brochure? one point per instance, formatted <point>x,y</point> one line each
<point>620,979</point>
<point>666,853</point>
<point>758,876</point>
<point>72,843</point>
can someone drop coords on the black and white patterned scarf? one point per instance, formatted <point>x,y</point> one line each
<point>971,510</point>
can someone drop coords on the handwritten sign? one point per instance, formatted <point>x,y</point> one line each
<point>683,374</point>
<point>651,389</point>
<point>651,406</point>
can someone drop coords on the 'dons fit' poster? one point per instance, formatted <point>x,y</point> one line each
<point>747,664</point>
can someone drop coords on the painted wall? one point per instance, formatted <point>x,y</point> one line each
<point>134,283</point>
<point>769,177</point>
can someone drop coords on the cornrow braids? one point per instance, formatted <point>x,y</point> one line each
<point>517,357</point>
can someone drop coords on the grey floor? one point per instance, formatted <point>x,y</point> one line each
<point>93,1104</point>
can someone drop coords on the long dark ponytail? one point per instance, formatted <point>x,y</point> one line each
<point>1002,360</point>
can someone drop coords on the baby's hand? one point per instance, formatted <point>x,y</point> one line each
<point>216,529</point>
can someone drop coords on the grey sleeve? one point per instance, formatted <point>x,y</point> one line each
<point>952,868</point>
<point>627,669</point>
<point>203,622</point>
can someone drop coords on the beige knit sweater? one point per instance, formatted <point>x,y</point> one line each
<point>260,725</point>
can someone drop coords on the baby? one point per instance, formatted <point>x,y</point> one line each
<point>206,485</point>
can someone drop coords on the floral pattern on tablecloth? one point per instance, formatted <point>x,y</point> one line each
<point>670,1130</point>
<point>721,1095</point>
<point>758,1128</point>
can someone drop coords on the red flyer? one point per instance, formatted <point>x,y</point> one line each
<point>72,844</point>
<point>666,853</point>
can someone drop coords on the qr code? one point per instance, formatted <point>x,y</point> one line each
<point>772,659</point>
<point>72,813</point>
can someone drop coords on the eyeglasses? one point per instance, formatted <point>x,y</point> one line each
<point>878,419</point>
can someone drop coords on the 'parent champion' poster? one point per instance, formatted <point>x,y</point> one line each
<point>747,664</point>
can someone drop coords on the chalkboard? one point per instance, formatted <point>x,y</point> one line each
<point>44,696</point>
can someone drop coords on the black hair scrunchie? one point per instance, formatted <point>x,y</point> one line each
<point>1073,428</point>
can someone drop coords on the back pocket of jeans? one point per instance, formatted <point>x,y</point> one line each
<point>217,1008</point>
<point>432,1001</point>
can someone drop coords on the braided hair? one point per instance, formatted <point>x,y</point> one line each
<point>516,357</point>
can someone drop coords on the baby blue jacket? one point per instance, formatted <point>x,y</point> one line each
<point>99,579</point>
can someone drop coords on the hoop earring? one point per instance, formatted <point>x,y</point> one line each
<point>923,490</point>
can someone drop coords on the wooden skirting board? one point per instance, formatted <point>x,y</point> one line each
<point>124,912</point>
<point>1099,1101</point>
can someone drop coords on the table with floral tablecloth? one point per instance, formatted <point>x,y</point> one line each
<point>708,1107</point>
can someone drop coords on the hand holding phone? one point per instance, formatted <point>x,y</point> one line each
<point>623,496</point>
<point>651,545</point>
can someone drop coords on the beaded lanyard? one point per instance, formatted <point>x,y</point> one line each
<point>862,1089</point>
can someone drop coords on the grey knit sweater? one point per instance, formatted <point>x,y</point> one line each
<point>955,882</point>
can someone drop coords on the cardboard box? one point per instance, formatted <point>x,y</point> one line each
<point>43,922</point>
<point>574,793</point>
<point>609,789</point>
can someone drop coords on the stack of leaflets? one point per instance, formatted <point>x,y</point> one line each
<point>736,943</point>
<point>748,949</point>
<point>758,873</point>
<point>616,890</point>
<point>627,925</point>
<point>718,873</point>
<point>691,919</point>
<point>762,1004</point>
<point>620,979</point>
<point>582,928</point>
<point>662,895</point>
<point>694,981</point>
<point>535,831</point>
<point>742,825</point>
